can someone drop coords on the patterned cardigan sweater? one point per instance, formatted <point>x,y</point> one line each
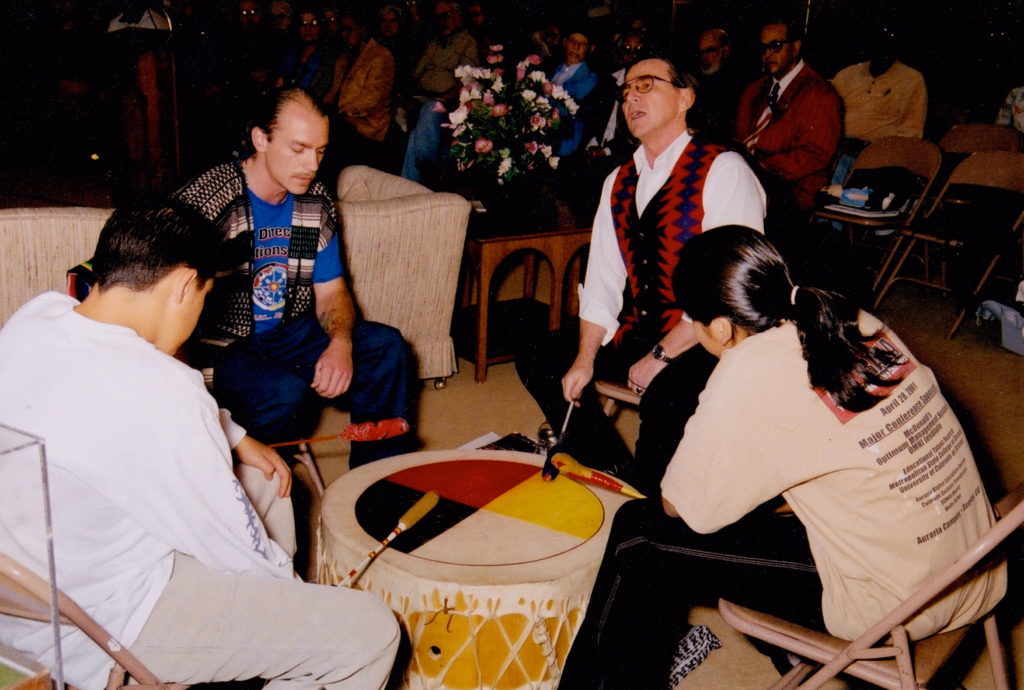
<point>220,195</point>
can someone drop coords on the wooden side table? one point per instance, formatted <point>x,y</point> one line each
<point>485,254</point>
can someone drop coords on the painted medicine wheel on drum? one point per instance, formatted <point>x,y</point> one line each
<point>477,497</point>
<point>492,584</point>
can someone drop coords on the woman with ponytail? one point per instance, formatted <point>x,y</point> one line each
<point>823,478</point>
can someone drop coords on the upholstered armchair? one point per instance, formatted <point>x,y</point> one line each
<point>40,245</point>
<point>403,245</point>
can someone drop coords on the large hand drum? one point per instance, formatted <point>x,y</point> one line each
<point>492,584</point>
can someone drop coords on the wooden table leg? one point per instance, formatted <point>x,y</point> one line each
<point>483,302</point>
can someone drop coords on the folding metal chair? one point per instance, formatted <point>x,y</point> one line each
<point>922,158</point>
<point>992,170</point>
<point>615,393</point>
<point>26,595</point>
<point>883,655</point>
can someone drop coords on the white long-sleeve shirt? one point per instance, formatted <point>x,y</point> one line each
<point>139,467</point>
<point>731,196</point>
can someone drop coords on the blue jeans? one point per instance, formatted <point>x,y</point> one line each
<point>265,382</point>
<point>425,144</point>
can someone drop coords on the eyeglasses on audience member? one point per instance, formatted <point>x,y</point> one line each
<point>772,46</point>
<point>644,83</point>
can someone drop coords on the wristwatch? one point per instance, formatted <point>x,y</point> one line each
<point>659,354</point>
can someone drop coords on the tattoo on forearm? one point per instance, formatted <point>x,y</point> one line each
<point>329,321</point>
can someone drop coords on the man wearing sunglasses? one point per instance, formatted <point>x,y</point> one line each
<point>789,119</point>
<point>630,329</point>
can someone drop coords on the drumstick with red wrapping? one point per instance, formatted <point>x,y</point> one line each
<point>411,517</point>
<point>362,431</point>
<point>572,468</point>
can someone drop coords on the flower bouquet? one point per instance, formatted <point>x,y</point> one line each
<point>505,124</point>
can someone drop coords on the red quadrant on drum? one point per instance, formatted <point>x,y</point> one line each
<point>491,512</point>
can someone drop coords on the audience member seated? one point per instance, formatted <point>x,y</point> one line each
<point>483,29</point>
<point>1012,111</point>
<point>719,88</point>
<point>882,97</point>
<point>280,329</point>
<point>792,500</point>
<point>309,63</point>
<point>630,329</point>
<point>436,89</point>
<point>546,41</point>
<point>789,121</point>
<point>359,99</point>
<point>608,142</point>
<point>185,561</point>
<point>575,76</point>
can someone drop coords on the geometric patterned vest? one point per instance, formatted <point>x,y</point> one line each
<point>650,244</point>
<point>220,195</point>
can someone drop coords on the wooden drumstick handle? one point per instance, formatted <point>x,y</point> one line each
<point>409,518</point>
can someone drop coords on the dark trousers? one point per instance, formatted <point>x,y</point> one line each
<point>591,436</point>
<point>655,569</point>
<point>265,382</point>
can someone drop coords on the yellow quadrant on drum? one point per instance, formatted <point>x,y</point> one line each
<point>562,504</point>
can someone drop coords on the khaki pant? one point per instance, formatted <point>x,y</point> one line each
<point>212,627</point>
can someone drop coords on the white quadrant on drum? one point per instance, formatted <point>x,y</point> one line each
<point>484,539</point>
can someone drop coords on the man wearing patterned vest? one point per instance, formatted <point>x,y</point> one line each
<point>280,329</point>
<point>630,329</point>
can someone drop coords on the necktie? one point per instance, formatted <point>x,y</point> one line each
<point>773,109</point>
<point>773,99</point>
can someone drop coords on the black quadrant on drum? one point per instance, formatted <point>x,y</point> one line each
<point>381,505</point>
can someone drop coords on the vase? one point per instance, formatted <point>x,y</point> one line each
<point>521,206</point>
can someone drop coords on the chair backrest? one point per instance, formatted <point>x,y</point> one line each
<point>992,169</point>
<point>403,247</point>
<point>26,595</point>
<point>40,245</point>
<point>920,157</point>
<point>980,136</point>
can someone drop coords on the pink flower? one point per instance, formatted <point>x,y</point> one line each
<point>488,98</point>
<point>494,58</point>
<point>554,114</point>
<point>483,145</point>
<point>537,121</point>
<point>520,73</point>
<point>499,109</point>
<point>547,87</point>
<point>533,59</point>
<point>532,147</point>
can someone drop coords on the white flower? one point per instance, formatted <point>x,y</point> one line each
<point>504,166</point>
<point>553,162</point>
<point>498,84</point>
<point>545,150</point>
<point>559,92</point>
<point>459,115</point>
<point>529,95</point>
<point>537,75</point>
<point>464,95</point>
<point>541,100</point>
<point>462,71</point>
<point>571,105</point>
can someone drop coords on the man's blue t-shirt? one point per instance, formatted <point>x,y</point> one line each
<point>273,231</point>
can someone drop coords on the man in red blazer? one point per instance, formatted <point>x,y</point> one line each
<point>789,119</point>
